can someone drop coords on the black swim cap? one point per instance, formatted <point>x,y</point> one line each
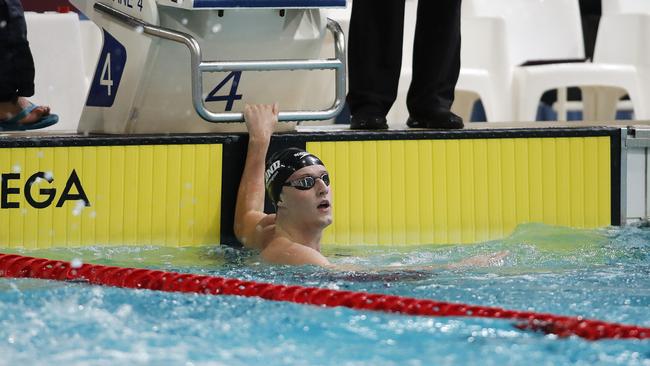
<point>281,165</point>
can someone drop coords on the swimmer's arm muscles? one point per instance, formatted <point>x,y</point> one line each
<point>385,269</point>
<point>250,197</point>
<point>284,251</point>
<point>484,260</point>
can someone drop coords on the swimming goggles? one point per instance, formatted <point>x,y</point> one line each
<point>307,182</point>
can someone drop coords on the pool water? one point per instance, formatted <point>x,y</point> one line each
<point>602,274</point>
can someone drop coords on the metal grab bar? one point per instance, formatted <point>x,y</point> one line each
<point>198,67</point>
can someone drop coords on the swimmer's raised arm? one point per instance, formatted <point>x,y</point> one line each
<point>260,122</point>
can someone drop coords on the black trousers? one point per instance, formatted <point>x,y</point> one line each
<point>375,56</point>
<point>16,62</point>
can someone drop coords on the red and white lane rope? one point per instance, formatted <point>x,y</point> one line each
<point>563,326</point>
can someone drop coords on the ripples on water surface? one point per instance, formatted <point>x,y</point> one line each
<point>602,274</point>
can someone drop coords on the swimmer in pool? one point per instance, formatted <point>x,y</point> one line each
<point>299,186</point>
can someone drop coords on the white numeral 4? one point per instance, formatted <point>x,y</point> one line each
<point>106,74</point>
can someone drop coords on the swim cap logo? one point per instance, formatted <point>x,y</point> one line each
<point>271,170</point>
<point>301,154</point>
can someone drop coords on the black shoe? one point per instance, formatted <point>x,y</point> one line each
<point>443,120</point>
<point>362,122</point>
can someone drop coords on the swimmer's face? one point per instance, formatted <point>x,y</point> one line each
<point>309,206</point>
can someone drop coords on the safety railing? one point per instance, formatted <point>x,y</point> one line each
<point>198,67</point>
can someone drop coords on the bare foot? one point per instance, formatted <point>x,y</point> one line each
<point>10,109</point>
<point>491,260</point>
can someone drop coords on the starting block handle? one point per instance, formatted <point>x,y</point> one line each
<point>198,67</point>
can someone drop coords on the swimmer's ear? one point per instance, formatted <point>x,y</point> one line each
<point>280,203</point>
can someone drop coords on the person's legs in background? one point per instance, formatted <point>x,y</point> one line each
<point>17,73</point>
<point>375,60</point>
<point>436,65</point>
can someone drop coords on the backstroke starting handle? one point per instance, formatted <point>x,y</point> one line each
<point>17,266</point>
<point>198,67</point>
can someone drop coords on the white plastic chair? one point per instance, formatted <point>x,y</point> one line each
<point>623,36</point>
<point>91,45</point>
<point>485,72</point>
<point>492,48</point>
<point>611,7</point>
<point>536,30</point>
<point>60,80</point>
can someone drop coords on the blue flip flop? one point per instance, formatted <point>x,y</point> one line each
<point>13,123</point>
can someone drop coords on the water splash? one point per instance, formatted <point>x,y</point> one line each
<point>80,324</point>
<point>78,207</point>
<point>76,263</point>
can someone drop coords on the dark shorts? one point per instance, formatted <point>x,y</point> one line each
<point>16,62</point>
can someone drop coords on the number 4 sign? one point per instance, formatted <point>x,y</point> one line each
<point>108,73</point>
<point>105,78</point>
<point>231,97</point>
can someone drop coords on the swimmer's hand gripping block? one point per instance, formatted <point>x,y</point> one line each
<point>198,67</point>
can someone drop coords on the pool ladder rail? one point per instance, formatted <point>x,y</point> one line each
<point>199,66</point>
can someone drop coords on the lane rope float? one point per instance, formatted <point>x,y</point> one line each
<point>17,266</point>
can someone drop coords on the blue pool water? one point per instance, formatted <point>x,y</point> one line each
<point>603,274</point>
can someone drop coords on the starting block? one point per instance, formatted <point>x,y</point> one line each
<point>190,66</point>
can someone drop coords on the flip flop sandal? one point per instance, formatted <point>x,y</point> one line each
<point>13,123</point>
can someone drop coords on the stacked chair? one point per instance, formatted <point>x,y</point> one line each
<point>515,50</point>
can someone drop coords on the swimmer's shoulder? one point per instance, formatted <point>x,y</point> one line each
<point>282,250</point>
